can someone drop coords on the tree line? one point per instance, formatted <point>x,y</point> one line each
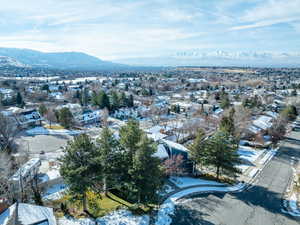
<point>125,165</point>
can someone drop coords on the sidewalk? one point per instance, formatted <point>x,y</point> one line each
<point>290,201</point>
<point>250,174</point>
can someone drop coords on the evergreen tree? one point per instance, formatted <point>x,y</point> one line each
<point>65,117</point>
<point>227,123</point>
<point>197,148</point>
<point>289,112</point>
<point>19,99</point>
<point>221,152</point>
<point>123,100</point>
<point>115,101</point>
<point>225,102</point>
<point>101,100</point>
<point>130,136</point>
<point>84,97</point>
<point>146,172</point>
<point>104,100</point>
<point>130,102</point>
<point>43,109</point>
<point>77,94</point>
<point>143,176</point>
<point>109,157</point>
<point>77,167</point>
<point>294,92</point>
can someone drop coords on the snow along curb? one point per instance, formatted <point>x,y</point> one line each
<point>168,207</point>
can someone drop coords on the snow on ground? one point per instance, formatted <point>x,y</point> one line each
<point>123,217</point>
<point>168,207</point>
<point>46,131</point>
<point>50,175</point>
<point>269,155</point>
<point>293,205</point>
<point>165,190</point>
<point>120,217</point>
<point>253,172</point>
<point>249,154</point>
<point>55,192</point>
<point>72,221</point>
<point>183,182</point>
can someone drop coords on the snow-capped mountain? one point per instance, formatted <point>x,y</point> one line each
<point>218,58</point>
<point>8,61</point>
<point>235,55</point>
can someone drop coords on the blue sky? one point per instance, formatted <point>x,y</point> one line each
<point>128,28</point>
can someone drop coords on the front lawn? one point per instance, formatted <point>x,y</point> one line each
<point>98,205</point>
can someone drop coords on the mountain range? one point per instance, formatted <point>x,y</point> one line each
<point>80,61</point>
<point>60,60</point>
<point>218,58</point>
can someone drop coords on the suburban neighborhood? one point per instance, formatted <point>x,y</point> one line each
<point>147,112</point>
<point>97,150</point>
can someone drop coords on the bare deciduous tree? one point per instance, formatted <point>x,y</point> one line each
<point>50,116</point>
<point>8,132</point>
<point>104,117</point>
<point>174,166</point>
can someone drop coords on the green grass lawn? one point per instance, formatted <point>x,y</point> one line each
<point>98,205</point>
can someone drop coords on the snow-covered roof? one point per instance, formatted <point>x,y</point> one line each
<point>156,136</point>
<point>33,214</point>
<point>194,80</point>
<point>29,214</point>
<point>263,122</point>
<point>154,129</point>
<point>161,152</point>
<point>26,168</point>
<point>254,129</point>
<point>175,145</point>
<point>272,114</point>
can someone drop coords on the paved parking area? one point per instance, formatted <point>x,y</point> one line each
<point>47,143</point>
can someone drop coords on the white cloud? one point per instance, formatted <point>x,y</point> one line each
<point>271,9</point>
<point>178,15</point>
<point>110,29</point>
<point>270,12</point>
<point>264,23</point>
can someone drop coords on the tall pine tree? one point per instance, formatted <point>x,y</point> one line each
<point>77,167</point>
<point>109,156</point>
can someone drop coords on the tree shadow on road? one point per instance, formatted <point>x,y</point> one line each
<point>189,216</point>
<point>254,196</point>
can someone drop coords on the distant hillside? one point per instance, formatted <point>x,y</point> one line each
<point>60,60</point>
<point>10,62</point>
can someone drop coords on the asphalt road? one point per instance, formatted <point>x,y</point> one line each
<point>261,204</point>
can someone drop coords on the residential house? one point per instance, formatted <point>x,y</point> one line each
<point>27,214</point>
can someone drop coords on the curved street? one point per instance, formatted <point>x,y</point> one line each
<point>260,204</point>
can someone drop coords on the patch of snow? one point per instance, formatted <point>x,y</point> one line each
<point>253,172</point>
<point>268,156</point>
<point>293,205</point>
<point>45,131</point>
<point>50,175</point>
<point>73,221</point>
<point>183,182</point>
<point>165,190</point>
<point>120,217</point>
<point>123,217</point>
<point>248,153</point>
<point>55,192</point>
